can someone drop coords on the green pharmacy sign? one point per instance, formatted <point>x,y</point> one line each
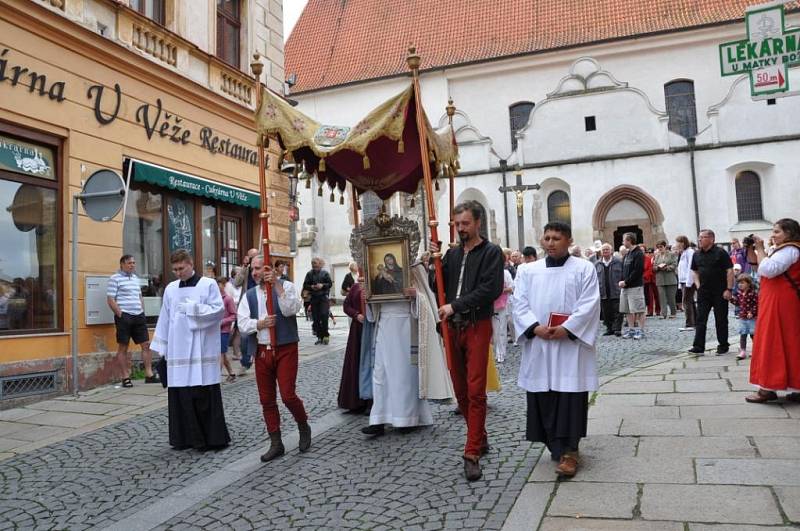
<point>767,52</point>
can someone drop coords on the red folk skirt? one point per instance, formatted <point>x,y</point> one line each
<point>776,344</point>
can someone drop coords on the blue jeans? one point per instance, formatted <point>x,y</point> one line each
<point>246,357</point>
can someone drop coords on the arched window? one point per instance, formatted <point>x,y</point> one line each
<point>679,97</point>
<point>558,208</point>
<point>748,196</point>
<point>518,116</point>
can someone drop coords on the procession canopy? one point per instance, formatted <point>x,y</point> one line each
<point>381,153</point>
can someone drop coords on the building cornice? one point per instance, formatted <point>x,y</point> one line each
<point>75,37</point>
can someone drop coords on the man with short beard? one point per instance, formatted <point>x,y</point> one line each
<point>473,278</point>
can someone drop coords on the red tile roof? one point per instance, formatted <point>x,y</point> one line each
<point>342,41</point>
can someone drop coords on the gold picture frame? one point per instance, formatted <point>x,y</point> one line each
<point>386,268</point>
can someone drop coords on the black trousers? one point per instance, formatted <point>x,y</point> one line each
<point>705,303</point>
<point>612,319</point>
<point>320,308</point>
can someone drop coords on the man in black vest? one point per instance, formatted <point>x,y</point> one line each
<point>274,364</point>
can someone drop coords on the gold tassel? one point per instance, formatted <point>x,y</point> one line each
<point>366,162</point>
<point>319,191</point>
<point>332,198</point>
<point>456,164</point>
<point>401,147</point>
<point>341,198</point>
<point>322,164</point>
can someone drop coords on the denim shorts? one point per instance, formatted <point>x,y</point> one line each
<point>747,327</point>
<point>224,337</point>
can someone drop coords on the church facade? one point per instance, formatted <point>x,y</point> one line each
<point>635,135</point>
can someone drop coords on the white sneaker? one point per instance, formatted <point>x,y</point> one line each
<point>685,329</point>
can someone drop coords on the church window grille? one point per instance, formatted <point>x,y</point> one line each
<point>590,123</point>
<point>519,113</point>
<point>748,196</point>
<point>679,97</point>
<point>558,207</point>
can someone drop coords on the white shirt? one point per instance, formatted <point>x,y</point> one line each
<point>289,304</point>
<point>685,276</point>
<point>778,262</point>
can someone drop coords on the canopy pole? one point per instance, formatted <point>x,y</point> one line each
<point>354,195</point>
<point>413,61</point>
<point>257,68</point>
<point>451,110</point>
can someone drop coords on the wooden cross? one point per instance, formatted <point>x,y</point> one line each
<point>519,190</point>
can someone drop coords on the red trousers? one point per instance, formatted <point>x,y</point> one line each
<point>467,365</point>
<point>278,366</point>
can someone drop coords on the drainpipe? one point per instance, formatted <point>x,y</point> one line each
<point>691,142</point>
<point>503,168</point>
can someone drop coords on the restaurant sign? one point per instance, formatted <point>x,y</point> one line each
<point>28,159</point>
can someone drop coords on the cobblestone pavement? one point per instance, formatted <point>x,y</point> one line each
<point>409,481</point>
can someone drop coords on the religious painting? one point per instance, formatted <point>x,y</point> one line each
<point>386,267</point>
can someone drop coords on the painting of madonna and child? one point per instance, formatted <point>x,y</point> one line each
<point>387,267</point>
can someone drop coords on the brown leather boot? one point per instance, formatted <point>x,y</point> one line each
<point>276,448</point>
<point>305,436</point>
<point>568,466</point>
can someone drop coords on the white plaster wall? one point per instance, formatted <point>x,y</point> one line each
<point>196,24</point>
<point>625,121</point>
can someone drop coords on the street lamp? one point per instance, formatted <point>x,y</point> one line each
<point>290,170</point>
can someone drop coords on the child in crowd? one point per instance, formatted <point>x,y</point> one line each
<point>746,300</point>
<point>228,318</point>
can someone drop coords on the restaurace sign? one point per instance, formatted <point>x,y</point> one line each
<point>155,120</point>
<point>767,52</point>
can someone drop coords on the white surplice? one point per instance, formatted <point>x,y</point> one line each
<point>188,333</point>
<point>565,365</point>
<point>434,378</point>
<point>395,375</point>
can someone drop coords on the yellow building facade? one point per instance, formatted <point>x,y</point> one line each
<point>157,92</point>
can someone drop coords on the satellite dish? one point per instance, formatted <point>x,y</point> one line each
<point>102,195</point>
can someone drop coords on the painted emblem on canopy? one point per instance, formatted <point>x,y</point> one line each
<point>330,135</point>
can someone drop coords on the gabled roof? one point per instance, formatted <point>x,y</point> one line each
<point>336,42</point>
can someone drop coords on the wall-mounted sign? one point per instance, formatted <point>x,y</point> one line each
<point>156,121</point>
<point>29,159</point>
<point>767,52</point>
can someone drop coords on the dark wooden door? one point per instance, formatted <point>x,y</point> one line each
<point>627,228</point>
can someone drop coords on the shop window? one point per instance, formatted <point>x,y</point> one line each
<point>558,207</point>
<point>29,238</point>
<point>152,9</point>
<point>208,214</point>
<point>228,31</point>
<point>518,114</point>
<point>679,98</point>
<point>748,196</point>
<point>143,237</point>
<point>180,220</point>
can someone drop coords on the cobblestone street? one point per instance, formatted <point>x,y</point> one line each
<point>126,476</point>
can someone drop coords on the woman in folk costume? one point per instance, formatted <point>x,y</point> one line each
<point>188,337</point>
<point>556,314</point>
<point>354,306</point>
<point>776,345</point>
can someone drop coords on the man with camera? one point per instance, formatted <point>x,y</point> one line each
<point>473,279</point>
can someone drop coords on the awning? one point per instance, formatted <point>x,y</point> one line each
<point>191,184</point>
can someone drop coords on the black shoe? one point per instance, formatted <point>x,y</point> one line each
<point>305,437</point>
<point>375,430</point>
<point>318,342</point>
<point>406,429</point>
<point>695,350</point>
<point>457,411</point>
<point>152,379</point>
<point>722,350</point>
<point>609,333</point>
<point>472,469</point>
<point>618,333</point>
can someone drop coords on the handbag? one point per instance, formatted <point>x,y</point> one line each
<point>161,369</point>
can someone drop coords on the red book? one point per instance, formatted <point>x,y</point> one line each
<point>557,319</point>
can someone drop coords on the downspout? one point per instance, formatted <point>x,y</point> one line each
<point>691,142</point>
<point>503,167</point>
